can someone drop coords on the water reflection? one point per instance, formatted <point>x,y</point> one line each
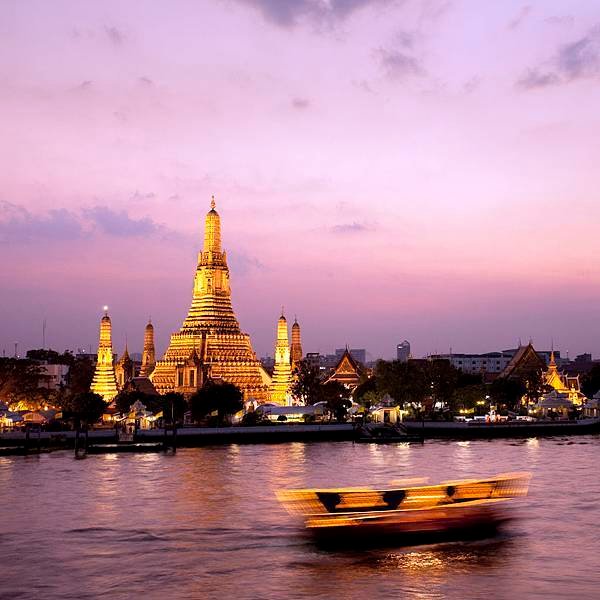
<point>205,523</point>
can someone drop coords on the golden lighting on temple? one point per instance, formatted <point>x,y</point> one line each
<point>282,372</point>
<point>210,343</point>
<point>104,382</point>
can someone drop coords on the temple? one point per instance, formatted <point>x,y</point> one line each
<point>104,382</point>
<point>282,372</point>
<point>210,344</point>
<point>148,354</point>
<point>562,386</point>
<point>348,372</point>
<point>296,350</point>
<point>124,370</point>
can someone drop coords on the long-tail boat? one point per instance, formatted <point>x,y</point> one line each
<point>473,506</point>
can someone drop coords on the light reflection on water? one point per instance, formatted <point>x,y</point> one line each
<point>205,523</point>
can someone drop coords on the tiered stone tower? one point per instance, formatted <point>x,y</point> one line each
<point>296,353</point>
<point>282,372</point>
<point>104,382</point>
<point>211,331</point>
<point>149,354</point>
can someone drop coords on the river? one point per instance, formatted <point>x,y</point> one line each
<point>205,524</point>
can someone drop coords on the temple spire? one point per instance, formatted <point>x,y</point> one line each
<point>148,354</point>
<point>104,382</point>
<point>282,372</point>
<point>212,230</point>
<point>296,349</point>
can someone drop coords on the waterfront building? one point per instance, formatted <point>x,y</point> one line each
<point>210,336</point>
<point>563,386</point>
<point>148,354</point>
<point>296,350</point>
<point>348,371</point>
<point>104,382</point>
<point>403,351</point>
<point>524,362</point>
<point>282,371</point>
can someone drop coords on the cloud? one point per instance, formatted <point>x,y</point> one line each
<point>115,36</point>
<point>145,81</point>
<point>577,60</point>
<point>398,65</point>
<point>300,103</point>
<point>535,78</point>
<point>581,58</point>
<point>521,16</point>
<point>287,13</point>
<point>17,224</point>
<point>119,223</point>
<point>350,228</point>
<point>561,20</point>
<point>472,84</point>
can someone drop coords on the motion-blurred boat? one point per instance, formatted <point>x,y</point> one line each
<point>467,507</point>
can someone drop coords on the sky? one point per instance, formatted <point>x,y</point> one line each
<point>384,169</point>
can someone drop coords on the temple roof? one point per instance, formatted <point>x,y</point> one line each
<point>525,359</point>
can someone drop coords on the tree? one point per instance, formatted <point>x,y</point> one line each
<point>125,399</point>
<point>174,406</point>
<point>507,392</point>
<point>307,383</point>
<point>590,382</point>
<point>86,408</point>
<point>80,375</point>
<point>223,398</point>
<point>336,396</point>
<point>20,383</point>
<point>366,392</point>
<point>467,397</point>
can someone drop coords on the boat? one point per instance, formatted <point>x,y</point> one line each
<point>469,507</point>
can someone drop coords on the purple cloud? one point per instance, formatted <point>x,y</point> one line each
<point>119,223</point>
<point>287,13</point>
<point>355,227</point>
<point>399,65</point>
<point>18,224</point>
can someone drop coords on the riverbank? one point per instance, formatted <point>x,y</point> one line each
<point>272,434</point>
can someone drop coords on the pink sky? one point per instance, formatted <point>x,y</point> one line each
<point>384,169</point>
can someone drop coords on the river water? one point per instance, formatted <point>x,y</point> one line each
<point>205,524</point>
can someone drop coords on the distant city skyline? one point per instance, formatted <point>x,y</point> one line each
<point>385,170</point>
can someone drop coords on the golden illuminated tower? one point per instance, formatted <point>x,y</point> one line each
<point>296,353</point>
<point>282,372</point>
<point>149,354</point>
<point>211,331</point>
<point>104,382</point>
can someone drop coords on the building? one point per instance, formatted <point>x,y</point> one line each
<point>525,362</point>
<point>348,371</point>
<point>124,370</point>
<point>296,349</point>
<point>489,362</point>
<point>54,376</point>
<point>210,334</point>
<point>104,382</point>
<point>403,351</point>
<point>358,354</point>
<point>148,354</point>
<point>282,371</point>
<point>563,386</point>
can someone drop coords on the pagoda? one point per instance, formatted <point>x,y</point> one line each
<point>149,354</point>
<point>104,382</point>
<point>296,350</point>
<point>210,344</point>
<point>282,372</point>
